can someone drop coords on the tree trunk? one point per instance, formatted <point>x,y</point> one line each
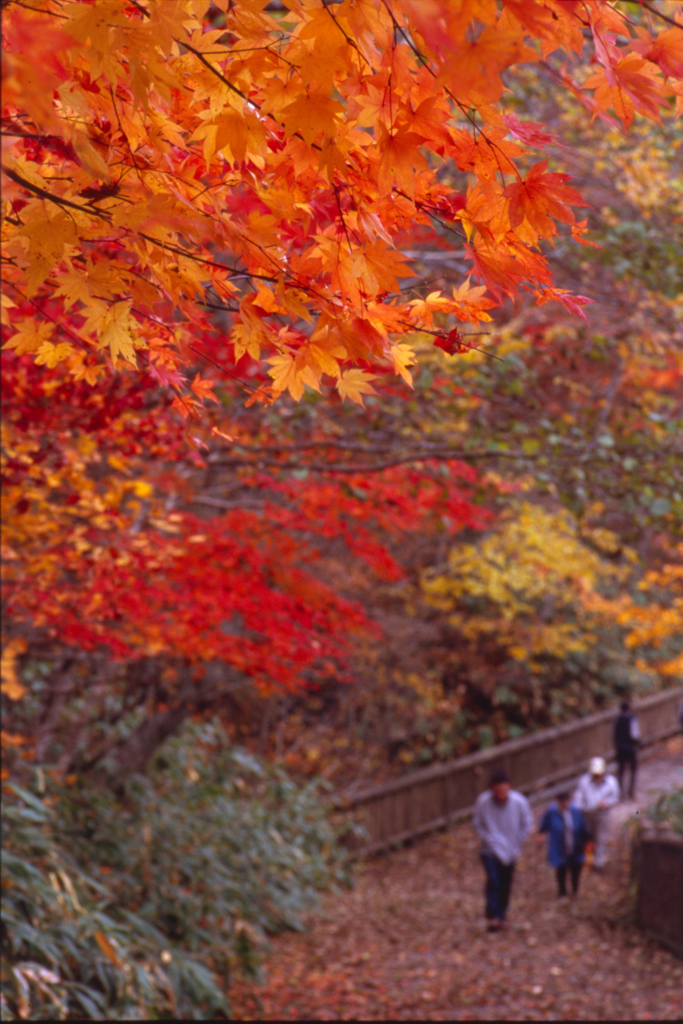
<point>192,695</point>
<point>135,752</point>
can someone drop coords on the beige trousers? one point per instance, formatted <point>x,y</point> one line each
<point>598,826</point>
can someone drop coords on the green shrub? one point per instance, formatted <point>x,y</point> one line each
<point>68,953</point>
<point>668,810</point>
<point>138,902</point>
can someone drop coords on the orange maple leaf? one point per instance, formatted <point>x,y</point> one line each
<point>430,122</point>
<point>666,50</point>
<point>553,22</point>
<point>400,159</point>
<point>387,265</point>
<point>486,210</point>
<point>569,300</point>
<point>203,388</point>
<point>502,268</point>
<point>310,113</point>
<point>476,70</point>
<point>361,339</point>
<point>186,406</point>
<point>632,84</point>
<point>541,197</point>
<point>497,270</point>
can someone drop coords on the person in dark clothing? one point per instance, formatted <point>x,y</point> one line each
<point>567,837</point>
<point>626,743</point>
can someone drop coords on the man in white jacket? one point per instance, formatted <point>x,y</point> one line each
<point>503,820</point>
<point>596,793</point>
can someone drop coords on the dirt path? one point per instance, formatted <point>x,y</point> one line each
<point>409,940</point>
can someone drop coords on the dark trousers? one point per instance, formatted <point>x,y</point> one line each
<point>498,885</point>
<point>561,872</point>
<point>626,758</point>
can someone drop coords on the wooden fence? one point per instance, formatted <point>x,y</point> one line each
<point>430,798</point>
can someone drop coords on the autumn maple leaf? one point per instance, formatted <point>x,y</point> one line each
<point>632,84</point>
<point>541,197</point>
<point>30,336</point>
<point>451,343</point>
<point>499,271</point>
<point>312,112</point>
<point>354,383</point>
<point>529,132</point>
<point>666,50</point>
<point>204,388</point>
<point>569,300</point>
<point>400,159</point>
<point>477,70</point>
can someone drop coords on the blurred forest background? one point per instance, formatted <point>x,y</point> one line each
<point>491,551</point>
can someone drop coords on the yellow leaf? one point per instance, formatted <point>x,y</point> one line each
<point>290,373</point>
<point>284,374</point>
<point>8,668</point>
<point>323,360</point>
<point>142,488</point>
<point>115,331</point>
<point>6,303</point>
<point>30,336</point>
<point>74,287</point>
<point>49,354</point>
<point>245,339</point>
<point>95,315</point>
<point>605,540</point>
<point>353,384</point>
<point>47,234</point>
<point>403,356</point>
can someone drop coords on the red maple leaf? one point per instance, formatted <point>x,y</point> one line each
<point>451,342</point>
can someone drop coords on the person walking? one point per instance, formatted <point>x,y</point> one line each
<point>502,819</point>
<point>567,833</point>
<point>595,794</point>
<point>626,743</point>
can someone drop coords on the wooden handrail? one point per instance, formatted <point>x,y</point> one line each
<point>409,798</point>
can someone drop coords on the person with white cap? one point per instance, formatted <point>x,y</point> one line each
<point>595,794</point>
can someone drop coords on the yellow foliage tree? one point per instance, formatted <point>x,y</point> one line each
<point>524,584</point>
<point>661,620</point>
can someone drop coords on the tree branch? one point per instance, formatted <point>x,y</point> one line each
<point>57,200</point>
<point>658,14</point>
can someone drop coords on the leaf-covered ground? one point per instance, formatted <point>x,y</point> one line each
<point>409,940</point>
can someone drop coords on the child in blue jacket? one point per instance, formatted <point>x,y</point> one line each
<point>567,837</point>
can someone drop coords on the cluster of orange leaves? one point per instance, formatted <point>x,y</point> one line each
<point>161,163</point>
